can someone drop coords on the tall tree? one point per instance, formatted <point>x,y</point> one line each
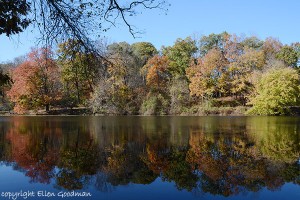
<point>125,62</point>
<point>157,72</point>
<point>213,41</point>
<point>143,51</point>
<point>288,55</point>
<point>158,76</point>
<point>271,47</point>
<point>252,42</point>
<point>35,82</point>
<point>208,76</point>
<point>180,56</point>
<point>241,70</point>
<point>79,70</point>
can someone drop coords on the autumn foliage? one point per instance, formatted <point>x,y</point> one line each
<point>35,82</point>
<point>156,70</point>
<point>219,72</point>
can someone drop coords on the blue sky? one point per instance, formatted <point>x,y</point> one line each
<point>262,18</point>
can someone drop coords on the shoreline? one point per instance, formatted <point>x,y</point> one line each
<point>201,112</point>
<point>114,115</point>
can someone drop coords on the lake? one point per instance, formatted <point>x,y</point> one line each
<point>55,157</point>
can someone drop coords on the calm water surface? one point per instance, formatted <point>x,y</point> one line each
<point>150,157</point>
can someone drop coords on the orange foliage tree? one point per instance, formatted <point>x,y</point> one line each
<point>207,77</point>
<point>157,71</point>
<point>35,82</point>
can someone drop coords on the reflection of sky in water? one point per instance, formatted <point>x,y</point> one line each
<point>15,181</point>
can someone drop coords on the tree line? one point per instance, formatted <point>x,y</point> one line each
<point>215,74</point>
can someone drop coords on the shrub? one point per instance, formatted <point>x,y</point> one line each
<point>154,105</point>
<point>275,92</point>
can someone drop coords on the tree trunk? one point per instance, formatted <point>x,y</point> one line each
<point>47,107</point>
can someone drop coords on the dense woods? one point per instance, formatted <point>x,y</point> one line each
<point>215,74</point>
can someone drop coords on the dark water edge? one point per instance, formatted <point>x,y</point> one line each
<point>166,157</point>
<point>85,111</point>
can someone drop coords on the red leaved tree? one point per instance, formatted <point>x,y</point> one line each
<point>35,82</point>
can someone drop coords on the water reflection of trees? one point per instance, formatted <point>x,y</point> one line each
<point>32,147</point>
<point>277,137</point>
<point>225,157</point>
<point>79,159</point>
<point>232,165</point>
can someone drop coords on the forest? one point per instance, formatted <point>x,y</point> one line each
<point>222,74</point>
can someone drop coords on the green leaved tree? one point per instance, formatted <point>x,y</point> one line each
<point>288,55</point>
<point>275,92</point>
